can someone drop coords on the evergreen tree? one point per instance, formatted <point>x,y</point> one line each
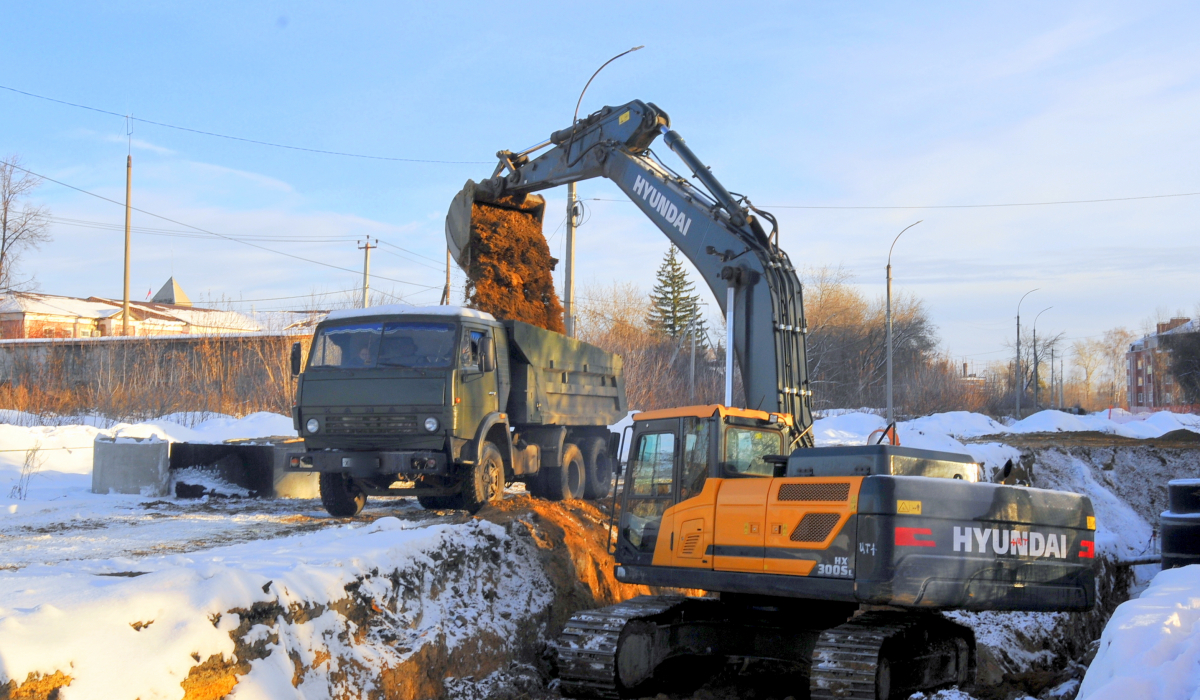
<point>674,305</point>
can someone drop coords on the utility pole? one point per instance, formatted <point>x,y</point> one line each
<point>366,287</point>
<point>692,381</point>
<point>1053,381</point>
<point>891,416</point>
<point>125,298</point>
<point>1018,385</point>
<point>446,291</point>
<point>569,275</point>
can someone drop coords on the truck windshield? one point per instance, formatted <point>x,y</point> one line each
<point>412,344</point>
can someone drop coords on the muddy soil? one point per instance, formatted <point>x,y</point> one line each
<point>509,266</point>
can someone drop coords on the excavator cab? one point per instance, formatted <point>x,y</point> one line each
<point>674,457</point>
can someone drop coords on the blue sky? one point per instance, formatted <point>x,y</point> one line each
<point>798,104</point>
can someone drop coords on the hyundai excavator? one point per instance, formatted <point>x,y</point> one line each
<point>836,561</point>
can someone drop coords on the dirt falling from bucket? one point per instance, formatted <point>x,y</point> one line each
<point>509,266</point>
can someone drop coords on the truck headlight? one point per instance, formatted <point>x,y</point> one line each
<point>313,425</point>
<point>431,424</point>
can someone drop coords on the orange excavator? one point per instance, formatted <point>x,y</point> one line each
<point>832,563</point>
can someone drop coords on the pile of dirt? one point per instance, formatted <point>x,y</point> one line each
<point>508,264</point>
<point>35,687</point>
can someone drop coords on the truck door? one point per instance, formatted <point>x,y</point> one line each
<point>477,389</point>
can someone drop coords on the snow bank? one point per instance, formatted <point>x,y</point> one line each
<point>136,628</point>
<point>1151,646</point>
<point>853,427</point>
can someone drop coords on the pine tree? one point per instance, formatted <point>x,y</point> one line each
<point>674,305</point>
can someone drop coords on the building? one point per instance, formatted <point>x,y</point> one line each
<point>1151,386</point>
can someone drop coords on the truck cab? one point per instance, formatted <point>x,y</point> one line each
<point>425,396</point>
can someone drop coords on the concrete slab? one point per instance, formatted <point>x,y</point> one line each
<point>131,465</point>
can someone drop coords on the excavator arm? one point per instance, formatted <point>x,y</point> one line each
<point>722,237</point>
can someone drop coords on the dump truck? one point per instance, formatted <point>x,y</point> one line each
<point>448,404</point>
<point>831,562</point>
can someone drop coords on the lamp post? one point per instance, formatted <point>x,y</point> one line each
<point>1035,357</point>
<point>891,417</point>
<point>1017,383</point>
<point>573,217</point>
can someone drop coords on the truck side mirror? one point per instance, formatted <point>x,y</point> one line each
<point>487,356</point>
<point>297,355</point>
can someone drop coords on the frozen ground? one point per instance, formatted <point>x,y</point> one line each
<point>81,574</point>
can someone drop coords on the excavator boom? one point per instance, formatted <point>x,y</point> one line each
<point>723,239</point>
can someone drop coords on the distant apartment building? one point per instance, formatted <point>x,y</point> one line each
<point>1151,386</point>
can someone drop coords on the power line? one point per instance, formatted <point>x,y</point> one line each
<point>239,138</point>
<point>212,233</point>
<point>960,206</point>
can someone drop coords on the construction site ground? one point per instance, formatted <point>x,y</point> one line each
<point>131,596</point>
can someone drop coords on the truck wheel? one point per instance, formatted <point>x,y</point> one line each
<point>486,480</point>
<point>341,497</point>
<point>567,481</point>
<point>599,468</point>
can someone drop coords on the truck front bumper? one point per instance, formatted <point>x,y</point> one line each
<point>406,464</point>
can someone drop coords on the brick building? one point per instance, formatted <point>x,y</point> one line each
<point>1151,386</point>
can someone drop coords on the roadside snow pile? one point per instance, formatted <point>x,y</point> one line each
<point>362,610</point>
<point>1151,646</point>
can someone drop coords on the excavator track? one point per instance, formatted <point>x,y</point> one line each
<point>850,661</point>
<point>587,647</point>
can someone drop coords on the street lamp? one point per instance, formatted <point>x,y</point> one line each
<point>1035,357</point>
<point>891,417</point>
<point>573,216</point>
<point>1017,383</point>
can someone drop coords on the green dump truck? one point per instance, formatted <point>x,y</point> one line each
<point>450,404</point>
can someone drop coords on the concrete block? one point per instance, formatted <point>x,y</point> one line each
<point>131,465</point>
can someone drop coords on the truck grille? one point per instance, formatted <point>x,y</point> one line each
<point>814,492</point>
<point>815,527</point>
<point>369,424</point>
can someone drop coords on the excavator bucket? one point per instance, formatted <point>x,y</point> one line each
<point>473,208</point>
<point>498,242</point>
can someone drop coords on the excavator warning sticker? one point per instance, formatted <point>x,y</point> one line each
<point>908,507</point>
<point>623,118</point>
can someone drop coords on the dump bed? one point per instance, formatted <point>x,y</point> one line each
<point>558,380</point>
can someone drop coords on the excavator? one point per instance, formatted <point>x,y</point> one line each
<point>834,563</point>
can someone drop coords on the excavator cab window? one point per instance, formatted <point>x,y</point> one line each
<point>745,449</point>
<point>695,457</point>
<point>650,483</point>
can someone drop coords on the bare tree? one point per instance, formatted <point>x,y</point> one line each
<point>1088,358</point>
<point>1116,343</point>
<point>22,225</point>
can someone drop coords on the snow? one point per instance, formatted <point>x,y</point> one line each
<point>853,427</point>
<point>73,617</point>
<point>1151,646</point>
<point>401,309</point>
